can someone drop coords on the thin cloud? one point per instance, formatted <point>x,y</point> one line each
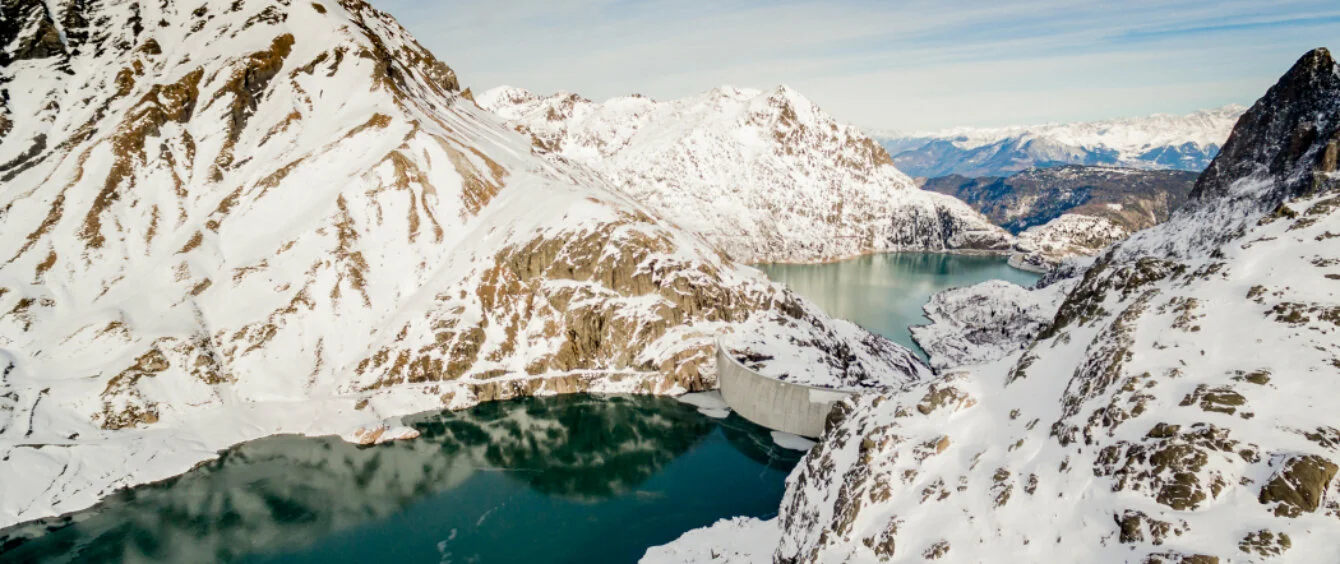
<point>908,65</point>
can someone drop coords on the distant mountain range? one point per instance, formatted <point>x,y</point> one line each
<point>1187,142</point>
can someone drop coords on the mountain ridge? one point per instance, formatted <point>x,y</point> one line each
<point>1071,210</point>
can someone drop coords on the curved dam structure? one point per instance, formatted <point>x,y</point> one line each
<point>769,402</point>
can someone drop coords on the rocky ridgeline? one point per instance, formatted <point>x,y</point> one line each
<point>234,218</point>
<point>1173,407</point>
<point>765,176</point>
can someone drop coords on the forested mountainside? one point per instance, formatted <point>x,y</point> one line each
<point>1070,211</point>
<point>1134,199</point>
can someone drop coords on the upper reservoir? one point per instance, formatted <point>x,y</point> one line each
<point>885,293</point>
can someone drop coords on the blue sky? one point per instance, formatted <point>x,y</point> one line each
<point>905,65</point>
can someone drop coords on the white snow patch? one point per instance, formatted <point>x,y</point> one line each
<point>792,442</point>
<point>741,540</point>
<point>710,403</point>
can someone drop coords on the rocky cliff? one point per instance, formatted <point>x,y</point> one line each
<point>765,176</point>
<point>236,218</point>
<point>1174,408</point>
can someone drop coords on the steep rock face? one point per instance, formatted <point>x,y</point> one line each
<point>245,217</point>
<point>765,176</point>
<point>1174,409</point>
<point>1155,142</point>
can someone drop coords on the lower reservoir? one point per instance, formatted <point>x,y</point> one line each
<point>562,479</point>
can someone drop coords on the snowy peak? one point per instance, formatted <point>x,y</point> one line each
<point>764,175</point>
<point>1284,148</point>
<point>1291,135</point>
<point>510,102</point>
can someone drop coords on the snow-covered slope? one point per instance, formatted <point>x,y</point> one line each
<point>1176,408</point>
<point>765,176</point>
<point>234,218</point>
<point>1187,142</point>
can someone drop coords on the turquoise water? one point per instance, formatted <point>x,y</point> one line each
<point>885,293</point>
<point>565,479</point>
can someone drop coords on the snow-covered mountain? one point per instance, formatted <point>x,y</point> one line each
<point>765,176</point>
<point>228,219</point>
<point>1186,142</point>
<point>1175,407</point>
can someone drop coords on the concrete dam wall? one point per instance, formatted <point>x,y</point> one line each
<point>768,402</point>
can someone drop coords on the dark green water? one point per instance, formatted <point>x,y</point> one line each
<point>885,293</point>
<point>564,479</point>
